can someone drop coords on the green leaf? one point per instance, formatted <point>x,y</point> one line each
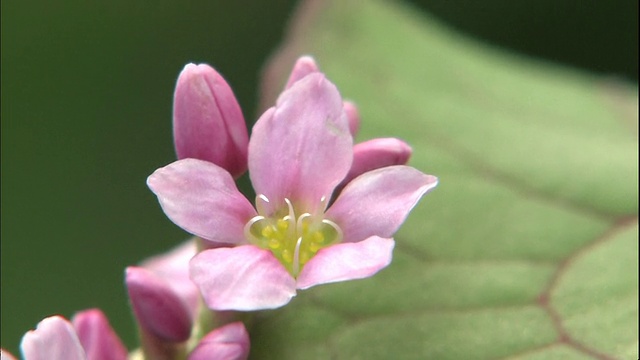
<point>528,247</point>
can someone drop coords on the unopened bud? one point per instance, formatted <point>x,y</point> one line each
<point>377,153</point>
<point>97,337</point>
<point>158,309</point>
<point>229,342</point>
<point>207,120</point>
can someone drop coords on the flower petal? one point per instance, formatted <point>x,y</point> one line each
<point>207,120</point>
<point>53,339</point>
<point>304,66</point>
<point>230,342</point>
<point>173,267</point>
<point>377,202</point>
<point>242,278</point>
<point>202,198</point>
<point>347,261</point>
<point>302,148</point>
<point>377,153</point>
<point>158,309</point>
<point>97,337</point>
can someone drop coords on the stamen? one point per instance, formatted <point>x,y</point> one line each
<point>304,257</point>
<point>287,256</point>
<point>296,257</point>
<point>302,225</point>
<point>314,247</point>
<point>262,203</point>
<point>337,229</point>
<point>274,243</point>
<point>247,229</point>
<point>293,239</point>
<point>323,205</point>
<point>267,231</point>
<point>283,224</point>
<point>291,217</point>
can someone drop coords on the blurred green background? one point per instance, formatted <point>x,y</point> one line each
<point>86,116</point>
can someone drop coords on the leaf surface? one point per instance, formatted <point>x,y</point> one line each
<point>528,247</point>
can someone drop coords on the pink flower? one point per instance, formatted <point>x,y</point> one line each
<point>299,152</point>
<point>89,338</point>
<point>207,120</point>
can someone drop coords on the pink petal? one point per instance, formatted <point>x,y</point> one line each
<point>53,339</point>
<point>5,355</point>
<point>377,202</point>
<point>173,267</point>
<point>304,66</point>
<point>375,154</point>
<point>207,120</point>
<point>158,309</point>
<point>230,342</point>
<point>346,261</point>
<point>202,198</point>
<point>97,337</point>
<point>353,116</point>
<point>242,278</point>
<point>302,148</point>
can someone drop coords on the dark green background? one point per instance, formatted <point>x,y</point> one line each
<point>86,116</point>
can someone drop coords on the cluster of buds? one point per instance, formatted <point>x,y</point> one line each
<point>325,211</point>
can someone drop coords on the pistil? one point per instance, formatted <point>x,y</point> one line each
<point>292,239</point>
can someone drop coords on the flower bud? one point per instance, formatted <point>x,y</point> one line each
<point>158,309</point>
<point>173,267</point>
<point>304,66</point>
<point>97,337</point>
<point>229,342</point>
<point>353,116</point>
<point>377,153</point>
<point>53,339</point>
<point>207,120</point>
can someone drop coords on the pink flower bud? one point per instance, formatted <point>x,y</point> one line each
<point>53,339</point>
<point>377,153</point>
<point>229,342</point>
<point>173,267</point>
<point>207,120</point>
<point>304,66</point>
<point>97,337</point>
<point>353,116</point>
<point>158,309</point>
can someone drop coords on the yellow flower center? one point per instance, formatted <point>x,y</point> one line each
<point>292,239</point>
